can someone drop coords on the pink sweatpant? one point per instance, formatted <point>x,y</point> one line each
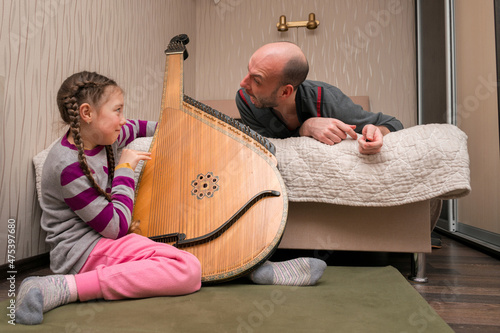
<point>136,267</point>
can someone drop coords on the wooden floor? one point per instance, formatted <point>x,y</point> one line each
<point>463,287</point>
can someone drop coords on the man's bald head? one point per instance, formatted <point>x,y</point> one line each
<point>290,62</point>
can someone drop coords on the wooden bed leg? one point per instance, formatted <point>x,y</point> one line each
<point>418,268</point>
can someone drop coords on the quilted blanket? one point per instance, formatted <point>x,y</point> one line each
<point>415,164</point>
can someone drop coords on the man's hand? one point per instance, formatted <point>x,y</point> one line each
<point>327,130</point>
<point>372,140</point>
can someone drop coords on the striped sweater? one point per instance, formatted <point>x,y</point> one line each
<point>74,214</point>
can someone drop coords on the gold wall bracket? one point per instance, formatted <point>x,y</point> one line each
<point>283,25</point>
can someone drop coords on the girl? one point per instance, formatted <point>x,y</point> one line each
<point>87,204</point>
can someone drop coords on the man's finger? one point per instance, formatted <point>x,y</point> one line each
<point>349,130</point>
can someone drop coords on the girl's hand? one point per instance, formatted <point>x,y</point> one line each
<point>133,157</point>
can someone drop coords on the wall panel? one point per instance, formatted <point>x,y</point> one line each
<point>42,43</point>
<point>363,47</point>
<point>477,112</point>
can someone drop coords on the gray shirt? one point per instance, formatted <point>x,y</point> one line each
<point>313,99</point>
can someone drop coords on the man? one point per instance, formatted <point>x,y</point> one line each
<point>277,101</point>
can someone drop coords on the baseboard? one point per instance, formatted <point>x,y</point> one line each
<point>24,265</point>
<point>478,239</point>
<point>481,234</point>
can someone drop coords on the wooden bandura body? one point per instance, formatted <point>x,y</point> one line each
<point>212,187</point>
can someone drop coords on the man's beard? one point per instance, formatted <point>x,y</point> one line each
<point>266,102</point>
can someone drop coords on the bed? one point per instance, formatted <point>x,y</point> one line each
<point>388,202</point>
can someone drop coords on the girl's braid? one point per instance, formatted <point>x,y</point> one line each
<point>111,162</point>
<point>84,87</point>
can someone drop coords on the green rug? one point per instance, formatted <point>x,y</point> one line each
<point>347,299</point>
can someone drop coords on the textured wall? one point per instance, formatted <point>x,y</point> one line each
<point>42,43</point>
<point>365,47</point>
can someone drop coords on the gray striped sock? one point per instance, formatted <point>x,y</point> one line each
<point>295,272</point>
<point>38,295</point>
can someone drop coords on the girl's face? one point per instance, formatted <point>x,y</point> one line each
<point>108,120</point>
